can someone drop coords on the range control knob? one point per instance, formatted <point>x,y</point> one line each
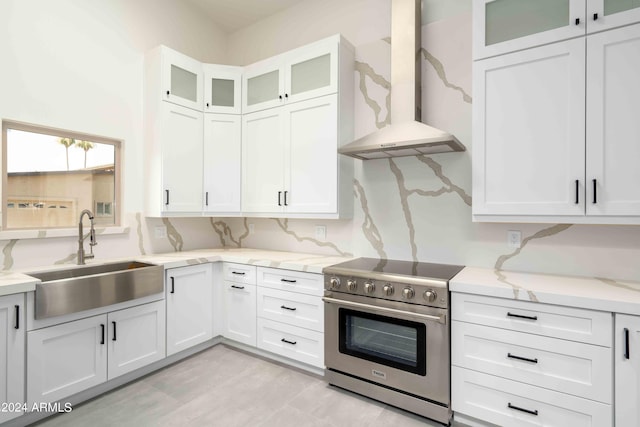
<point>408,293</point>
<point>351,285</point>
<point>430,295</point>
<point>334,283</point>
<point>387,289</point>
<point>369,287</point>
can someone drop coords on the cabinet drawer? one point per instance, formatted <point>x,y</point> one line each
<point>503,402</point>
<point>305,311</point>
<point>583,370</point>
<point>239,273</point>
<point>288,280</point>
<point>295,343</point>
<point>592,327</point>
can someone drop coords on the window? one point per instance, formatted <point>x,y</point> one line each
<point>51,175</point>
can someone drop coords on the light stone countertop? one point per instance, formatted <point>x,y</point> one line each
<point>13,282</point>
<point>581,292</point>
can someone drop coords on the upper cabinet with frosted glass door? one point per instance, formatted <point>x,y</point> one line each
<point>222,89</point>
<point>181,79</point>
<point>607,14</point>
<point>502,26</point>
<point>304,73</point>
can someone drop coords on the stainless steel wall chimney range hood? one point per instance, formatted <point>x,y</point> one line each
<point>406,135</point>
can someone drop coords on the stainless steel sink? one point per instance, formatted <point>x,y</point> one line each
<point>83,288</point>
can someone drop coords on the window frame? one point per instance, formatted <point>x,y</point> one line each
<point>57,132</point>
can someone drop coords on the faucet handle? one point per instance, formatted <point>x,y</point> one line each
<point>92,238</point>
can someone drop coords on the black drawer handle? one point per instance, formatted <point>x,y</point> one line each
<point>279,198</point>
<point>237,287</point>
<point>238,273</point>
<point>577,21</point>
<point>284,307</point>
<point>285,198</point>
<point>528,411</point>
<point>167,193</point>
<point>206,198</point>
<point>173,285</point>
<point>114,331</point>
<point>595,16</point>
<point>577,191</point>
<point>102,333</point>
<point>626,343</point>
<point>522,316</point>
<point>525,359</point>
<point>289,342</point>
<point>17,325</point>
<point>288,281</point>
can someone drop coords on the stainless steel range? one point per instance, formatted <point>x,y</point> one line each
<point>387,332</point>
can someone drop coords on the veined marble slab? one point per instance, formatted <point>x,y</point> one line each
<point>14,283</point>
<point>582,292</point>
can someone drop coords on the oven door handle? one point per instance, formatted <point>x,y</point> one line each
<point>440,319</point>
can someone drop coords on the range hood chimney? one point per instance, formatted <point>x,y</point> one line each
<point>406,135</point>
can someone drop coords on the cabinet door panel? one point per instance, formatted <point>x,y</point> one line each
<point>222,162</point>
<point>613,128</point>
<point>627,371</point>
<point>222,89</point>
<point>136,337</point>
<point>240,316</point>
<point>182,130</point>
<point>181,79</point>
<point>65,359</point>
<point>12,352</point>
<point>529,130</point>
<point>262,161</point>
<point>611,14</point>
<point>312,131</point>
<point>263,85</point>
<point>312,73</point>
<point>189,307</point>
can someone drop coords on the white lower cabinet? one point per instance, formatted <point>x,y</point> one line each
<point>12,353</point>
<point>189,306</point>
<point>240,306</point>
<point>627,367</point>
<point>71,357</point>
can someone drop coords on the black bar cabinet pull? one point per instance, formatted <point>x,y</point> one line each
<point>522,316</point>
<point>288,281</point>
<point>167,193</point>
<point>206,198</point>
<point>239,273</point>
<point>626,343</point>
<point>102,333</point>
<point>279,196</point>
<point>284,307</point>
<point>114,331</point>
<point>577,191</point>
<point>526,359</point>
<point>237,287</point>
<point>595,16</point>
<point>173,285</point>
<point>17,325</point>
<point>285,198</point>
<point>528,411</point>
<point>289,342</point>
<point>577,21</point>
<point>595,198</point>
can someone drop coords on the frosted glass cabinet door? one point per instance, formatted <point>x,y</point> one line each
<point>502,26</point>
<point>312,73</point>
<point>222,89</point>
<point>181,79</point>
<point>263,85</point>
<point>606,14</point>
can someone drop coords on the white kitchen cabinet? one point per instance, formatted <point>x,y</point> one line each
<point>529,132</point>
<point>307,72</point>
<point>240,304</point>
<point>613,128</point>
<point>290,158</point>
<point>181,78</point>
<point>12,353</point>
<point>71,357</point>
<point>189,306</point>
<point>293,342</point>
<point>608,14</point>
<point>627,370</point>
<point>222,88</point>
<point>222,154</point>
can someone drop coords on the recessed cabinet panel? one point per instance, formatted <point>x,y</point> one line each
<point>613,128</point>
<point>222,163</point>
<point>529,126</point>
<point>12,352</point>
<point>627,370</point>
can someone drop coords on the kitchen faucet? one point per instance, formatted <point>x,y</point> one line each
<point>92,238</point>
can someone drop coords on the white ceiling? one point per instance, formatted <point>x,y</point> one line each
<point>232,15</point>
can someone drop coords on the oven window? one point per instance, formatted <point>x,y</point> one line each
<point>392,342</point>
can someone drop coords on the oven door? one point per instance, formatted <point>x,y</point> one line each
<point>400,346</point>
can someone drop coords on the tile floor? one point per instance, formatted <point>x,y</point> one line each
<point>225,387</point>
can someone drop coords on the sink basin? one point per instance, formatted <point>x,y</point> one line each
<point>83,288</point>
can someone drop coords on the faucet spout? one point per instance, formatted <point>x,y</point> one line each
<point>92,238</point>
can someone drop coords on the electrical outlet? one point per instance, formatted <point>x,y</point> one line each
<point>251,228</point>
<point>321,233</point>
<point>160,232</point>
<point>514,238</point>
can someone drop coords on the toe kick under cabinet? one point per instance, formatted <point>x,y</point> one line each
<point>520,363</point>
<point>291,315</point>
